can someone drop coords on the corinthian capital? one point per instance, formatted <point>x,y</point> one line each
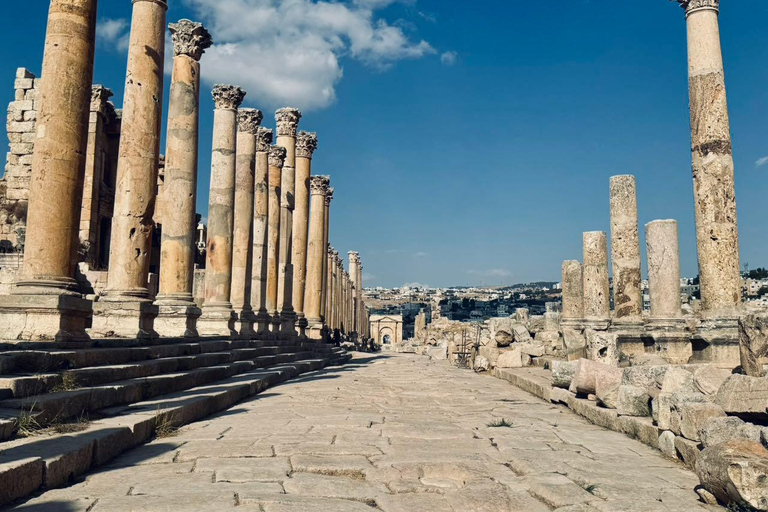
<point>263,139</point>
<point>354,257</point>
<point>329,196</point>
<point>277,156</point>
<point>248,120</point>
<point>228,97</point>
<point>695,5</point>
<point>189,38</point>
<point>287,120</point>
<point>318,185</point>
<point>99,97</point>
<point>306,144</point>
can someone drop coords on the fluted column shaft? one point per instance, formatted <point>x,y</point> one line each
<point>354,268</point>
<point>327,271</point>
<point>260,231</point>
<point>595,270</point>
<point>276,161</point>
<point>662,242</point>
<point>713,175</point>
<point>317,253</point>
<point>139,152</point>
<point>625,251</point>
<point>306,144</point>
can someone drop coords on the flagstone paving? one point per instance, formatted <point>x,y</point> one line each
<point>397,433</point>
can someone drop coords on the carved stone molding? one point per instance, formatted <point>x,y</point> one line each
<point>329,196</point>
<point>306,144</point>
<point>99,98</point>
<point>263,139</point>
<point>248,120</point>
<point>228,97</point>
<point>277,156</point>
<point>189,38</point>
<point>319,184</point>
<point>287,120</point>
<point>694,5</point>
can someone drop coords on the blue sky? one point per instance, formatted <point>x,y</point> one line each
<point>470,145</point>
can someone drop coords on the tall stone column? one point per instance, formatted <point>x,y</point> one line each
<point>260,232</point>
<point>46,304</point>
<point>713,181</point>
<point>354,264</point>
<point>329,276</point>
<point>661,238</point>
<point>317,254</point>
<point>597,311</point>
<point>327,271</point>
<point>306,144</point>
<point>218,317</point>
<point>178,313</point>
<point>276,163</point>
<point>126,309</point>
<point>625,252</point>
<point>573,294</point>
<point>248,121</point>
<point>287,120</point>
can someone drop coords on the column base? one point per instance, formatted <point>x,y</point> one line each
<point>317,331</point>
<point>121,318</point>
<point>177,319</point>
<point>44,317</point>
<point>716,340</point>
<point>288,324</point>
<point>245,322</point>
<point>301,325</point>
<point>217,321</point>
<point>261,323</point>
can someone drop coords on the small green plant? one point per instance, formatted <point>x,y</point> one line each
<point>27,424</point>
<point>68,383</point>
<point>501,422</point>
<point>165,425</point>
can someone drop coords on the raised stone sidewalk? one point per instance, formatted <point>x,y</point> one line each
<point>397,433</point>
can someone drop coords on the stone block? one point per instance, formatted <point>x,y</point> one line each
<point>601,346</point>
<point>633,401</point>
<point>708,379</point>
<point>23,83</point>
<point>521,334</point>
<point>24,73</point>
<point>531,349</point>
<point>22,148</point>
<point>481,364</point>
<point>510,358</point>
<point>688,451</point>
<point>753,344</point>
<point>668,404</point>
<point>20,478</point>
<point>736,472</point>
<point>607,385</point>
<point>719,430</point>
<point>575,343</point>
<point>562,373</point>
<point>677,379</point>
<point>585,378</point>
<point>744,396</point>
<point>21,126</point>
<point>667,444</point>
<point>693,415</point>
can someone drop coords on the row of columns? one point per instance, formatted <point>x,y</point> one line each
<point>266,260</point>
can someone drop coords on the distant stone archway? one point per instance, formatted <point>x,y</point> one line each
<point>387,329</point>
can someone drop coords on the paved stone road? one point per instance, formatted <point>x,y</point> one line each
<point>393,433</point>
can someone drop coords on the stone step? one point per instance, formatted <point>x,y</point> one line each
<point>29,385</point>
<point>64,405</point>
<point>26,465</point>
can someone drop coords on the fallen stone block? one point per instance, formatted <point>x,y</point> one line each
<point>753,344</point>
<point>584,378</point>
<point>649,378</point>
<point>521,334</point>
<point>607,385</point>
<point>562,373</point>
<point>667,444</point>
<point>720,430</point>
<point>532,349</point>
<point>481,364</point>
<point>510,358</point>
<point>677,379</point>
<point>633,401</point>
<point>736,472</point>
<point>744,396</point>
<point>602,347</point>
<point>695,415</point>
<point>668,403</point>
<point>687,450</point>
<point>575,344</point>
<point>708,379</point>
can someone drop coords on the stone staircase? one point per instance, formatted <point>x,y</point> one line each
<point>65,408</point>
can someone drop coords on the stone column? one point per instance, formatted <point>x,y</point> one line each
<point>178,313</point>
<point>126,309</point>
<point>354,265</point>
<point>625,252</point>
<point>329,276</point>
<point>287,120</point>
<point>597,310</point>
<point>663,269</point>
<point>276,162</point>
<point>306,144</point>
<point>46,304</point>
<point>327,271</point>
<point>218,317</point>
<point>317,254</point>
<point>573,293</point>
<point>260,232</point>
<point>713,181</point>
<point>248,121</point>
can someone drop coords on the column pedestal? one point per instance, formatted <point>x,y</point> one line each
<point>44,317</point>
<point>177,319</point>
<point>124,319</point>
<point>217,321</point>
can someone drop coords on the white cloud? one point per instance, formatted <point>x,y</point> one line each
<point>449,58</point>
<point>289,52</point>
<point>421,254</point>
<point>761,161</point>
<point>369,277</point>
<point>493,272</point>
<point>113,33</point>
<point>415,285</point>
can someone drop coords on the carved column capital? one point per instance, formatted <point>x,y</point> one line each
<point>263,139</point>
<point>306,144</point>
<point>248,120</point>
<point>228,97</point>
<point>287,120</point>
<point>318,185</point>
<point>189,38</point>
<point>277,156</point>
<point>99,97</point>
<point>354,257</point>
<point>696,5</point>
<point>329,196</point>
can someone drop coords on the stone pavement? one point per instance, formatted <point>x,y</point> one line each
<point>397,433</point>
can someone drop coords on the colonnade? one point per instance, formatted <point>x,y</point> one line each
<point>268,270</point>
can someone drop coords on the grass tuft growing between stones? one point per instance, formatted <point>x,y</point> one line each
<point>27,425</point>
<point>70,427</point>
<point>165,425</point>
<point>68,383</point>
<point>499,423</point>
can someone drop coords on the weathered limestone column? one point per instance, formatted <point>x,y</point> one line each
<point>46,304</point>
<point>327,271</point>
<point>573,294</point>
<point>287,120</point>
<point>260,232</point>
<point>178,313</point>
<point>218,317</point>
<point>126,309</point>
<point>330,289</point>
<point>276,162</point>
<point>354,267</point>
<point>625,252</point>
<point>317,254</point>
<point>661,238</point>
<point>248,121</point>
<point>596,286</point>
<point>713,181</point>
<point>306,144</point>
